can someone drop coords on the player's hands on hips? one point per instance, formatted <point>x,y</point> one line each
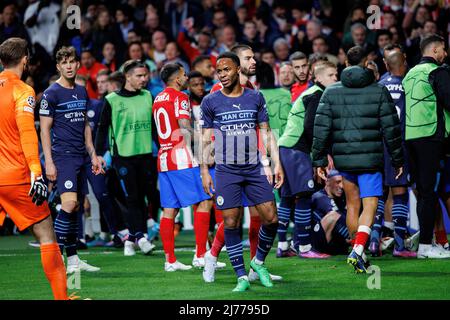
<point>98,163</point>
<point>399,172</point>
<point>50,171</point>
<point>207,183</point>
<point>279,176</point>
<point>38,191</point>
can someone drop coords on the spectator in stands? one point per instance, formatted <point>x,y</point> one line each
<point>152,21</point>
<point>89,68</point>
<point>319,45</point>
<point>134,35</point>
<point>109,56</point>
<point>159,42</point>
<point>136,52</point>
<point>42,22</point>
<point>358,33</point>
<point>194,44</point>
<point>84,38</point>
<point>281,49</point>
<point>250,36</point>
<point>11,26</point>
<point>267,32</point>
<point>204,65</point>
<point>105,31</point>
<point>384,38</point>
<point>180,10</point>
<point>173,55</point>
<point>287,76</point>
<point>226,39</point>
<point>124,20</point>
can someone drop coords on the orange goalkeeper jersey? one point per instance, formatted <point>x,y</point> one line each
<point>19,153</point>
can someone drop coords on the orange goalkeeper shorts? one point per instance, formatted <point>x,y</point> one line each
<point>14,201</point>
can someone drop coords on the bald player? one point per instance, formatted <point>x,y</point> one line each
<point>396,66</point>
<point>386,51</point>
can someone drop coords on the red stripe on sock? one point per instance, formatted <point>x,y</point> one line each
<point>201,227</point>
<point>218,214</point>
<point>253,232</point>
<point>361,238</point>
<point>166,226</point>
<point>219,241</point>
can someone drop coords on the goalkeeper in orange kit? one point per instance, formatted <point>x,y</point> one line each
<point>22,188</point>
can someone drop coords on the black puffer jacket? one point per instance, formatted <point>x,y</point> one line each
<point>353,117</point>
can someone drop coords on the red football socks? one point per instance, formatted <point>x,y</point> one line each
<point>219,241</point>
<point>253,234</point>
<point>166,226</point>
<point>201,227</point>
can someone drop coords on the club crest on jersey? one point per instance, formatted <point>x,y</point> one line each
<point>311,183</point>
<point>185,105</point>
<point>44,104</point>
<point>91,113</point>
<point>31,102</point>
<point>68,184</point>
<point>123,171</point>
<point>316,227</point>
<point>220,200</point>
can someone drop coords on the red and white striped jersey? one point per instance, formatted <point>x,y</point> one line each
<point>174,153</point>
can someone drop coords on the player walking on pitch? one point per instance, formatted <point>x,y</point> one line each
<point>234,113</point>
<point>66,138</point>
<point>20,165</point>
<point>179,175</point>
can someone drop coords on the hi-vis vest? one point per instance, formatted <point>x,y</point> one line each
<point>421,116</point>
<point>295,123</point>
<point>130,133</point>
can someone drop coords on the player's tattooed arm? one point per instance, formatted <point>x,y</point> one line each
<point>186,130</point>
<point>270,149</point>
<point>205,154</point>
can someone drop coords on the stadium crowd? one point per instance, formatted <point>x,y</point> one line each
<point>350,117</point>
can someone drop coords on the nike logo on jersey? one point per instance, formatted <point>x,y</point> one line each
<point>237,106</point>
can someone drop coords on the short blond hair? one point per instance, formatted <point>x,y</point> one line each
<point>321,66</point>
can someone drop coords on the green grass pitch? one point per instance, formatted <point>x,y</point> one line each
<point>142,277</point>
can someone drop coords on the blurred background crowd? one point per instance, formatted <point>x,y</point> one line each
<point>158,32</point>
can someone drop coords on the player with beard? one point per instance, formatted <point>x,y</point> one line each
<point>301,70</point>
<point>234,113</point>
<point>179,174</point>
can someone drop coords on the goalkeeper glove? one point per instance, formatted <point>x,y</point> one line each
<point>38,190</point>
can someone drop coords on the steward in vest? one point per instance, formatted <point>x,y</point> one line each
<point>295,147</point>
<point>427,126</point>
<point>126,121</point>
